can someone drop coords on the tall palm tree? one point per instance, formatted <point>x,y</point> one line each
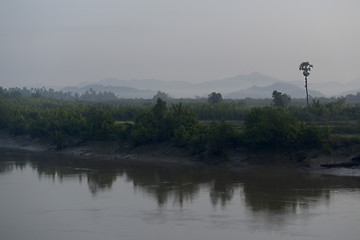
<point>305,67</point>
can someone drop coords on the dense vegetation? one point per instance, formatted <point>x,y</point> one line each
<point>205,128</point>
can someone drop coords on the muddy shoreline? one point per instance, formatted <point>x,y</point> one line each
<point>98,150</point>
<point>344,157</point>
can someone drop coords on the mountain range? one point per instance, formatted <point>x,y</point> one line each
<point>254,85</point>
<point>266,92</point>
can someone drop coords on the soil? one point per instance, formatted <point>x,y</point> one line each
<point>344,156</point>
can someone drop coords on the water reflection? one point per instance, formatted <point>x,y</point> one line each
<point>276,191</point>
<point>222,188</point>
<point>285,191</point>
<point>100,180</point>
<point>164,184</point>
<point>6,166</point>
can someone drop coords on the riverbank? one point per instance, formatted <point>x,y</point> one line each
<point>344,156</point>
<point>99,150</point>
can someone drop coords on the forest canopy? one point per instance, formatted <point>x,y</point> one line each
<point>200,127</point>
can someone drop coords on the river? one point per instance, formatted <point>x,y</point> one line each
<point>47,196</point>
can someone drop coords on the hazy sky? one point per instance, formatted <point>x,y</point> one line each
<point>64,42</point>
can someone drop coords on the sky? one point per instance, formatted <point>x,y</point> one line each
<point>66,42</point>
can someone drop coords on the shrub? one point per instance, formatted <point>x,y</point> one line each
<point>270,128</point>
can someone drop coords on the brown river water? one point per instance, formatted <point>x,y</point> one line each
<point>45,196</point>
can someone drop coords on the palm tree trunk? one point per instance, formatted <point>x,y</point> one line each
<point>307,94</point>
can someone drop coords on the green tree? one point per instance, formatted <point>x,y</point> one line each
<point>214,98</point>
<point>162,95</point>
<point>220,135</point>
<point>312,136</point>
<point>146,129</point>
<point>160,109</point>
<point>270,127</point>
<point>306,67</point>
<point>280,99</point>
<point>99,124</point>
<point>181,123</point>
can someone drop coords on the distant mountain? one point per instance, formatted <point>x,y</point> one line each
<point>144,84</point>
<point>352,87</point>
<point>331,89</point>
<point>175,88</point>
<point>186,89</point>
<point>353,92</point>
<point>120,92</point>
<point>239,82</point>
<point>251,85</point>
<point>236,86</point>
<point>266,92</point>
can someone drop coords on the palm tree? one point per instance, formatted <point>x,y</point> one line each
<point>305,67</point>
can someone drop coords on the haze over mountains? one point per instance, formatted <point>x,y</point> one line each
<point>253,85</point>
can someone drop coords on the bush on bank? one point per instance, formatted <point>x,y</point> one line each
<point>263,127</point>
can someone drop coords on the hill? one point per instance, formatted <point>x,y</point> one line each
<point>266,92</point>
<point>253,85</point>
<point>177,89</point>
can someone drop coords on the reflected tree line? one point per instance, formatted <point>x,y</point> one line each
<point>267,190</point>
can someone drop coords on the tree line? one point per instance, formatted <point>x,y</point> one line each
<point>202,129</point>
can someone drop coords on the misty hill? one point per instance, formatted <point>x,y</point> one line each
<point>174,88</point>
<point>144,84</point>
<point>331,89</point>
<point>266,92</point>
<point>186,89</point>
<point>239,82</point>
<point>252,85</point>
<point>120,92</point>
<point>350,88</point>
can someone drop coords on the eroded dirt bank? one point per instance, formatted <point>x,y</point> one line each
<point>344,157</point>
<point>101,150</point>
